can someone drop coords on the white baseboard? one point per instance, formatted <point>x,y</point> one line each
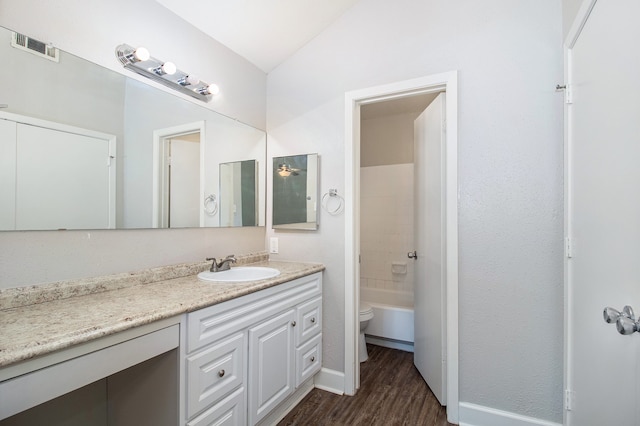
<point>390,343</point>
<point>478,415</point>
<point>330,380</point>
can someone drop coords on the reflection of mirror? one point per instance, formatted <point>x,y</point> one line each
<point>73,97</point>
<point>238,191</point>
<point>295,192</point>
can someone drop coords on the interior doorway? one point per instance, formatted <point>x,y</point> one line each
<point>402,235</point>
<point>446,83</point>
<point>178,176</point>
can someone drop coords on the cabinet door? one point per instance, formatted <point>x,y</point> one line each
<point>271,364</point>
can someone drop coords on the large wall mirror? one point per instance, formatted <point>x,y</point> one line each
<point>295,192</point>
<point>84,147</point>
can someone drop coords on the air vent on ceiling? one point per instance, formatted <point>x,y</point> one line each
<point>31,45</point>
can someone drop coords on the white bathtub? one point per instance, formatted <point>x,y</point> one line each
<point>392,323</point>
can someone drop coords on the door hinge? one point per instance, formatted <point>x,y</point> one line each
<point>444,126</point>
<point>569,396</point>
<point>568,99</point>
<point>568,248</point>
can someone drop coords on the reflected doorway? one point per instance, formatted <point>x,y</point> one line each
<point>178,177</point>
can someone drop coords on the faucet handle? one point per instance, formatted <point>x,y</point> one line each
<point>231,257</point>
<point>214,266</point>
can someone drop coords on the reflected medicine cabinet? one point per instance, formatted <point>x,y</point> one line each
<point>295,192</point>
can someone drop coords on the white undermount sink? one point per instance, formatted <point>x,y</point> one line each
<point>240,274</point>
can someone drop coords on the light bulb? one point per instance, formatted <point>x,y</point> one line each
<point>141,54</point>
<point>169,68</point>
<point>213,89</point>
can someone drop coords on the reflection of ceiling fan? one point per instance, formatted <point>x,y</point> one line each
<point>285,170</point>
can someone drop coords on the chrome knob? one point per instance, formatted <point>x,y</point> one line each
<point>625,321</point>
<point>626,325</point>
<point>313,320</point>
<point>221,373</point>
<point>293,323</point>
<point>610,315</point>
<point>313,358</point>
<point>412,255</point>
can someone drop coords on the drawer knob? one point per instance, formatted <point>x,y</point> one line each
<point>313,358</point>
<point>221,373</point>
<point>313,320</point>
<point>293,323</point>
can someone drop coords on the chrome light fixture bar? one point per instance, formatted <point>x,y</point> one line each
<point>141,62</point>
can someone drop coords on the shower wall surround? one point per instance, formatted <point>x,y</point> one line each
<point>386,227</point>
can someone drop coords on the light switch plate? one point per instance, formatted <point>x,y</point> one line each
<point>273,245</point>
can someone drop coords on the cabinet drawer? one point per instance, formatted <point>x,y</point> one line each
<point>309,320</point>
<point>308,359</point>
<point>215,372</point>
<point>228,412</point>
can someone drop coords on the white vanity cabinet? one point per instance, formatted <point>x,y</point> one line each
<point>244,357</point>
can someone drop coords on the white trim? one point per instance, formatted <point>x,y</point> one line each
<point>434,83</point>
<point>478,415</point>
<point>570,41</point>
<point>159,190</point>
<point>330,381</point>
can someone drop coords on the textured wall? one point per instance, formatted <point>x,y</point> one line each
<point>509,58</point>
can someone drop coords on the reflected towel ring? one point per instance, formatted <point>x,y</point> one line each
<point>211,204</point>
<point>326,199</point>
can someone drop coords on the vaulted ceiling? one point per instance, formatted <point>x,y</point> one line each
<point>265,32</point>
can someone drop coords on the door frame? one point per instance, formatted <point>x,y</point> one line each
<point>160,189</point>
<point>570,41</point>
<point>447,82</point>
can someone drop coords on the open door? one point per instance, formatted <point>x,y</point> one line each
<point>603,215</point>
<point>430,239</point>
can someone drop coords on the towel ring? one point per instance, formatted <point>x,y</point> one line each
<point>326,200</point>
<point>211,205</point>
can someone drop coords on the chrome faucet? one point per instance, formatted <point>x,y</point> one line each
<point>223,265</point>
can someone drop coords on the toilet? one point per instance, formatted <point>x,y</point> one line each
<point>366,313</point>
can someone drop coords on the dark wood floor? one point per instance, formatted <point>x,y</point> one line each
<point>392,392</point>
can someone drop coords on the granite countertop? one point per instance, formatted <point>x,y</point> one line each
<point>52,323</point>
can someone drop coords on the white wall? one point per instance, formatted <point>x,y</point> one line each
<point>92,29</point>
<point>509,59</point>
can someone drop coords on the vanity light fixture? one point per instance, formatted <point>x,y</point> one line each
<point>141,62</point>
